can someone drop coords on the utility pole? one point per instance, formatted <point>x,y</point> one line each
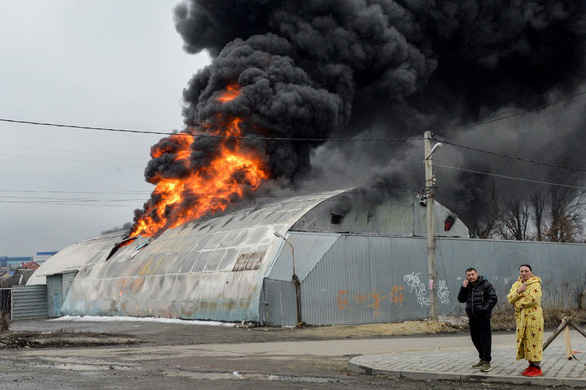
<point>430,195</point>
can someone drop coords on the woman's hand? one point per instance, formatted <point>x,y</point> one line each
<point>522,288</point>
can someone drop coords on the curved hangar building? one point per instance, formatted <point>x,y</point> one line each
<point>352,254</point>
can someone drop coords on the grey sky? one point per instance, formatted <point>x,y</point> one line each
<point>106,63</point>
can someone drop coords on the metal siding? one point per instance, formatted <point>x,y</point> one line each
<point>354,282</point>
<point>309,249</point>
<point>344,285</point>
<point>29,302</point>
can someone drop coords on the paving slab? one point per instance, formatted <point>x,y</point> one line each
<point>455,364</point>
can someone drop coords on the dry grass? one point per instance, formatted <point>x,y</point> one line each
<point>505,319</point>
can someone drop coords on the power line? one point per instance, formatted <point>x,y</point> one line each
<point>71,151</point>
<point>510,177</point>
<point>510,157</point>
<point>69,159</point>
<point>209,135</point>
<point>475,124</point>
<point>79,192</point>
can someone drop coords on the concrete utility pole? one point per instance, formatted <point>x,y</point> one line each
<point>430,195</point>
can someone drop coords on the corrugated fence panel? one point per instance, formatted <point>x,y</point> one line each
<point>29,301</point>
<point>366,280</point>
<point>371,279</point>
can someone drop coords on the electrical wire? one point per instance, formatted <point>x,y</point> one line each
<point>510,177</point>
<point>209,135</point>
<point>70,159</point>
<point>509,157</point>
<point>72,151</point>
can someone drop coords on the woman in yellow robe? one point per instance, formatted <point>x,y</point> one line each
<point>525,295</point>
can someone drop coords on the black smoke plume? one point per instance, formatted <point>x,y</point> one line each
<point>314,69</point>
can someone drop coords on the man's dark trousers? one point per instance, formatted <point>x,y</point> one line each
<point>481,336</point>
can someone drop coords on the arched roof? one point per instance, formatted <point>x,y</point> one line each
<point>210,269</point>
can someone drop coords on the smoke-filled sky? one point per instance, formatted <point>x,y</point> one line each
<point>307,69</point>
<point>104,63</point>
<point>387,69</point>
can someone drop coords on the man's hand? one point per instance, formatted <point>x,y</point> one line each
<point>465,283</point>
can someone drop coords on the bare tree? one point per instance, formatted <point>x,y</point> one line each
<point>538,202</point>
<point>513,222</point>
<point>487,230</point>
<point>566,210</point>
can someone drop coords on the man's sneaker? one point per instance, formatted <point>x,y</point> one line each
<point>486,367</point>
<point>479,364</point>
<point>536,371</point>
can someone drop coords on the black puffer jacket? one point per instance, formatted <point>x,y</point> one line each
<point>480,298</point>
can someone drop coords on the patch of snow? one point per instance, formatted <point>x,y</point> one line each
<point>143,319</point>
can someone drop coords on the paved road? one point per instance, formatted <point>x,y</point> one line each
<point>178,357</point>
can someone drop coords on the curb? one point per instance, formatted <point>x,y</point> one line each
<point>356,367</point>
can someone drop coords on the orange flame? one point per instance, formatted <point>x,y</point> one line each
<point>208,190</point>
<point>232,91</point>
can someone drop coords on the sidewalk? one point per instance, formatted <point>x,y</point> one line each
<point>455,364</point>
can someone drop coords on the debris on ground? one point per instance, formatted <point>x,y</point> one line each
<point>62,339</point>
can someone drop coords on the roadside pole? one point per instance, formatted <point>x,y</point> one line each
<point>430,217</point>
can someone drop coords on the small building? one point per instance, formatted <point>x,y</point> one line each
<point>30,265</point>
<point>16,278</point>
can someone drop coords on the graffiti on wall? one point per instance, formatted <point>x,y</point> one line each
<point>443,293</point>
<point>418,288</point>
<point>372,300</point>
<point>397,296</point>
<point>393,297</point>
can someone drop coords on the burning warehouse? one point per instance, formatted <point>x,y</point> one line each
<point>234,267</point>
<point>324,94</point>
<point>358,259</point>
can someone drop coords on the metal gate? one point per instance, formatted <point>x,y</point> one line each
<point>280,303</point>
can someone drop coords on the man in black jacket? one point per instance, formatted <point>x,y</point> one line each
<point>480,298</point>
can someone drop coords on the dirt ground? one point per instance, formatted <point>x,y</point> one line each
<point>82,334</point>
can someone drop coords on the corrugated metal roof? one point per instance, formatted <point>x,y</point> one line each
<point>74,257</point>
<point>309,249</point>
<point>211,269</point>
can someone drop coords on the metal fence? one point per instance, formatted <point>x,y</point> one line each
<point>29,302</point>
<point>371,279</point>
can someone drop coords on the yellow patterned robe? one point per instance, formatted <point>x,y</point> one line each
<point>529,317</point>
